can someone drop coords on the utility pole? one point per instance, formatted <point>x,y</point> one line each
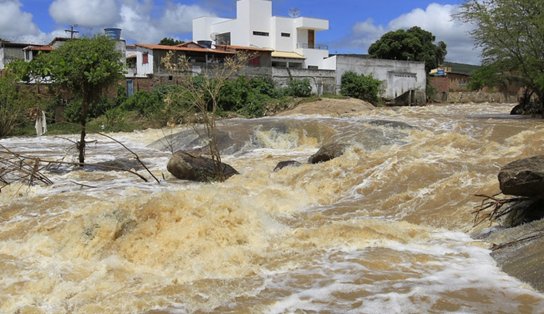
<point>72,31</point>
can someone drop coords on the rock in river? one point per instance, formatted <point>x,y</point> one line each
<point>523,177</point>
<point>287,163</point>
<point>328,152</point>
<point>186,166</point>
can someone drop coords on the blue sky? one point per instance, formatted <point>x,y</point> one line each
<point>354,24</point>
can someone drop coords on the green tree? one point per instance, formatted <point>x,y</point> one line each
<point>84,67</point>
<point>511,35</point>
<point>414,44</point>
<point>361,86</point>
<point>169,41</point>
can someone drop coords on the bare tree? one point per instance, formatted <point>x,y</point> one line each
<point>203,90</point>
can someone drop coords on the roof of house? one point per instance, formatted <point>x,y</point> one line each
<point>38,48</point>
<point>177,48</point>
<point>286,55</point>
<point>6,44</point>
<point>57,39</point>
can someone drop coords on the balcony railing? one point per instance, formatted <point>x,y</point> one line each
<point>314,46</point>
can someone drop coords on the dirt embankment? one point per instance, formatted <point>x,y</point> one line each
<point>330,107</point>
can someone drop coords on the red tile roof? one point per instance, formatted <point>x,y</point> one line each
<point>38,48</point>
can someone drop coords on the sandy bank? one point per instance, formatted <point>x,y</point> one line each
<point>330,107</point>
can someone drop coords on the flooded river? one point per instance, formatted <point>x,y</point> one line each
<point>383,229</point>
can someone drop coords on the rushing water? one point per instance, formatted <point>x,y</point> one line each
<point>383,229</point>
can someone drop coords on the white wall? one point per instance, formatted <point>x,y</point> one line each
<point>2,65</point>
<point>314,57</point>
<point>398,77</point>
<point>283,25</point>
<point>144,69</point>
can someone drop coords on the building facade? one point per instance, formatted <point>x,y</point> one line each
<point>292,39</point>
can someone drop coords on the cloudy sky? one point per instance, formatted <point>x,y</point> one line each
<point>354,24</point>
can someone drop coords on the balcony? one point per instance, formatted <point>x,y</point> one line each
<point>310,46</point>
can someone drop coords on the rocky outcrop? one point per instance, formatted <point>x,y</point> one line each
<point>518,245</point>
<point>328,152</point>
<point>287,163</point>
<point>523,177</point>
<point>186,166</point>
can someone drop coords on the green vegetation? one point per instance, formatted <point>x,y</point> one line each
<point>168,41</point>
<point>360,86</point>
<point>414,44</point>
<point>462,67</point>
<point>14,104</point>
<point>97,108</point>
<point>511,33</point>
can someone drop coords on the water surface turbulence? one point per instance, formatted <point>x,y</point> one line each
<point>383,229</point>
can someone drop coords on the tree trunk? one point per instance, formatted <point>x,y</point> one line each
<point>83,121</point>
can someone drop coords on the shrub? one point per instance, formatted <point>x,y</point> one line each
<point>360,86</point>
<point>14,104</point>
<point>299,88</point>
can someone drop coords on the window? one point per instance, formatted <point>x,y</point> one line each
<point>285,35</point>
<point>261,34</point>
<point>145,58</point>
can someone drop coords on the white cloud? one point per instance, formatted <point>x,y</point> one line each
<point>139,24</point>
<point>437,19</point>
<point>85,13</point>
<point>179,17</point>
<point>15,23</point>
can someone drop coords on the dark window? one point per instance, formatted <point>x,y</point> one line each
<point>261,34</point>
<point>145,58</point>
<point>285,35</point>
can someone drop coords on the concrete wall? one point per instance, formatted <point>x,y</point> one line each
<point>322,81</point>
<point>398,77</point>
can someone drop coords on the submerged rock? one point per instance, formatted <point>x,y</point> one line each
<point>523,177</point>
<point>186,166</point>
<point>328,152</point>
<point>287,163</point>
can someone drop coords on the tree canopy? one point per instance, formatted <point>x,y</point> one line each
<point>84,67</point>
<point>168,41</point>
<point>511,34</point>
<point>414,44</point>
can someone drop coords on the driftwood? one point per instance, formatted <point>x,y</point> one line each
<point>16,167</point>
<point>133,153</point>
<point>497,205</point>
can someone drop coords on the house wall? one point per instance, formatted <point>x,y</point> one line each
<point>8,54</point>
<point>144,69</point>
<point>203,27</point>
<point>398,77</point>
<point>2,65</point>
<point>283,25</point>
<point>256,16</point>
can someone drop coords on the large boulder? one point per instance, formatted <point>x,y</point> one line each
<point>186,166</point>
<point>328,152</point>
<point>523,177</point>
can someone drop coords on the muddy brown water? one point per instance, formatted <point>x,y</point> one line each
<point>384,228</point>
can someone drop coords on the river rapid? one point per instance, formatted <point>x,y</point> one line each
<point>383,229</point>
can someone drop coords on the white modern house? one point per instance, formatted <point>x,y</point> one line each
<point>292,39</point>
